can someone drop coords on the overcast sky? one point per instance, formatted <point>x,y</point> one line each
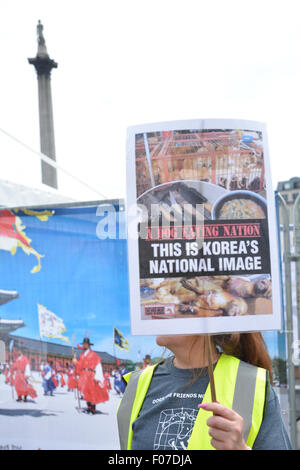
<point>128,62</point>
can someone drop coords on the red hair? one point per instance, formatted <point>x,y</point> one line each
<point>248,347</point>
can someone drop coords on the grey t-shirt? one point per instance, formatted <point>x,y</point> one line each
<point>168,413</point>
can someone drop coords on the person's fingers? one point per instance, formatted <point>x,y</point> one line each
<point>220,445</point>
<point>219,422</point>
<point>218,434</point>
<point>218,409</point>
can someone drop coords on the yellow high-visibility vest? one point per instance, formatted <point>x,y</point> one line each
<point>239,386</point>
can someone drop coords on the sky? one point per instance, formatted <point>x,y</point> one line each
<point>127,63</point>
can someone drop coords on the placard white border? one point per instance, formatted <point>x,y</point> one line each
<point>212,325</point>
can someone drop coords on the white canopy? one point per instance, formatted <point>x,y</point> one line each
<point>17,195</point>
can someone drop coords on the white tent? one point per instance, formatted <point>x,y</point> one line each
<point>17,195</point>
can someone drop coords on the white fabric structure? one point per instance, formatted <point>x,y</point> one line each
<point>17,195</point>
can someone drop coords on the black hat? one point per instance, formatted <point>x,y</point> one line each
<point>87,341</point>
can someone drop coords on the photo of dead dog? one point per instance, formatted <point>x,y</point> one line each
<point>209,296</point>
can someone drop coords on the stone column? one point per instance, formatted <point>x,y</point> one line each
<point>43,66</point>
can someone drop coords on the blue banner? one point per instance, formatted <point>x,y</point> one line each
<point>64,278</point>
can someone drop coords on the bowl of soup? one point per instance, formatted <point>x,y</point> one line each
<point>240,205</point>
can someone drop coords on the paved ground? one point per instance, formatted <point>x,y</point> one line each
<point>55,422</point>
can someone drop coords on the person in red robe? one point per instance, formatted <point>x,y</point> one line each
<point>61,373</point>
<point>21,372</point>
<point>107,381</point>
<point>62,379</point>
<point>147,361</point>
<point>91,379</point>
<point>6,373</point>
<point>71,379</point>
<point>54,376</point>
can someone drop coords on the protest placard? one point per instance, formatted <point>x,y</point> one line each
<point>202,236</point>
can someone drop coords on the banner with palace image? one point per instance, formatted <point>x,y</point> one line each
<point>202,231</point>
<point>64,277</point>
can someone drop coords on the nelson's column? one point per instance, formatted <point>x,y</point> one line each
<point>43,66</point>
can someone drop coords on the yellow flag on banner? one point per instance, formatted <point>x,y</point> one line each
<point>120,340</point>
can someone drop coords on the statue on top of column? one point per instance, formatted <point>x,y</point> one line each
<point>41,39</point>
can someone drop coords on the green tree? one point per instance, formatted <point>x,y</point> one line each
<point>279,370</point>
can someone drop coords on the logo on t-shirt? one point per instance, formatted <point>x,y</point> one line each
<point>174,428</point>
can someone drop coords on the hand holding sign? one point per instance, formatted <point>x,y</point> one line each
<point>225,427</point>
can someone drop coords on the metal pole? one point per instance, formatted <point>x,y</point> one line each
<point>289,322</point>
<point>149,159</point>
<point>281,339</point>
<point>296,222</point>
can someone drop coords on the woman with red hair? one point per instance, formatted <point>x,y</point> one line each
<point>169,406</point>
